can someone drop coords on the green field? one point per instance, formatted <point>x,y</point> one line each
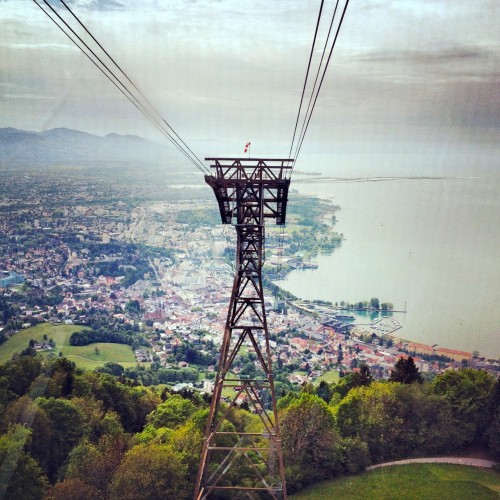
<point>331,376</point>
<point>83,356</point>
<point>418,481</point>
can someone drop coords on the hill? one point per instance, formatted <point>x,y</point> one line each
<point>429,481</point>
<point>63,145</point>
<point>83,356</point>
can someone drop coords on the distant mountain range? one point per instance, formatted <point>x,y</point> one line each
<point>62,145</point>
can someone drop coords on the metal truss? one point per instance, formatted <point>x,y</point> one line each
<point>245,464</point>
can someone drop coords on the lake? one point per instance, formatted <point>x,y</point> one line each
<point>432,244</point>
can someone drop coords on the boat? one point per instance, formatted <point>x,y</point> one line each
<point>344,317</point>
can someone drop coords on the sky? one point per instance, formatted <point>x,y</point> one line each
<point>409,80</point>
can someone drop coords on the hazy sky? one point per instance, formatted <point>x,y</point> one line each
<point>406,76</point>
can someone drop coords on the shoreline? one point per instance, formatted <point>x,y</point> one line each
<point>382,331</point>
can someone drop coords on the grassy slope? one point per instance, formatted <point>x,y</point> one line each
<point>83,356</point>
<point>331,376</point>
<point>419,481</point>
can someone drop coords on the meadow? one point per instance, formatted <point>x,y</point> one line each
<point>87,357</point>
<point>414,481</point>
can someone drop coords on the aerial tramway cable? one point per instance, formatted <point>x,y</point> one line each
<point>307,74</point>
<point>150,113</point>
<point>315,91</point>
<point>148,102</point>
<point>317,74</point>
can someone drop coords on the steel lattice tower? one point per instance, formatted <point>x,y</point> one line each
<point>248,191</point>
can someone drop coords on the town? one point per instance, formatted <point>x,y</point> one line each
<point>154,265</point>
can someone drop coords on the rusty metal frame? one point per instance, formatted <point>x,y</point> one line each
<point>248,192</point>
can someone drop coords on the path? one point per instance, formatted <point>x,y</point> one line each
<point>473,462</point>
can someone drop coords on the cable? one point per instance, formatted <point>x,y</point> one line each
<point>317,73</point>
<point>322,78</point>
<point>131,82</point>
<point>314,97</point>
<point>120,85</point>
<point>307,74</point>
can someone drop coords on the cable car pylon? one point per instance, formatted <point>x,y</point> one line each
<point>245,464</point>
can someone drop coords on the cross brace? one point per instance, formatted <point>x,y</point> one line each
<point>248,191</point>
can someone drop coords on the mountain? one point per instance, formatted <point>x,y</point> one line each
<point>63,145</point>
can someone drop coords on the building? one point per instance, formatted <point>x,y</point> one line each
<point>10,278</point>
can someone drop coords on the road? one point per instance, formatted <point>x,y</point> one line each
<point>474,462</point>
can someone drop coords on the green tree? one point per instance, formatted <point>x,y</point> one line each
<point>187,440</point>
<point>133,307</point>
<point>427,420</point>
<point>20,476</point>
<point>25,412</point>
<point>372,414</point>
<point>355,379</point>
<point>405,372</point>
<point>356,455</point>
<point>152,471</point>
<point>311,445</point>
<point>494,435</point>
<point>20,373</point>
<point>67,428</point>
<point>62,374</point>
<point>96,464</point>
<point>112,368</point>
<point>324,391</point>
<point>468,392</point>
<point>131,404</point>
<point>173,412</point>
<point>75,489</point>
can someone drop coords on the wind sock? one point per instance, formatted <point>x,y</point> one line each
<point>247,145</point>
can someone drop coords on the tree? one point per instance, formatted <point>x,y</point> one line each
<point>20,475</point>
<point>95,465</point>
<point>364,376</point>
<point>311,445</point>
<point>75,489</point>
<point>494,435</point>
<point>25,412</point>
<point>112,368</point>
<point>188,440</point>
<point>20,373</point>
<point>469,394</point>
<point>405,372</point>
<point>340,356</point>
<point>371,414</point>
<point>63,376</point>
<point>354,379</point>
<point>375,303</point>
<point>324,391</point>
<point>173,412</point>
<point>356,456</point>
<point>133,307</point>
<point>152,471</point>
<point>67,428</point>
<point>427,420</point>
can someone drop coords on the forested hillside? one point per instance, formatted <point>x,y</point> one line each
<point>69,434</point>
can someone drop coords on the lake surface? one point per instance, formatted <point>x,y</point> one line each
<point>430,244</point>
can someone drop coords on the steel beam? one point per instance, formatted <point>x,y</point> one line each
<point>248,192</point>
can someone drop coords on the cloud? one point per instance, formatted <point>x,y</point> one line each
<point>437,56</point>
<point>38,46</point>
<point>100,5</point>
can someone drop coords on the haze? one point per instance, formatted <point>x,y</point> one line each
<point>406,77</point>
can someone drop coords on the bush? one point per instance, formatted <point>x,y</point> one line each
<point>356,456</point>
